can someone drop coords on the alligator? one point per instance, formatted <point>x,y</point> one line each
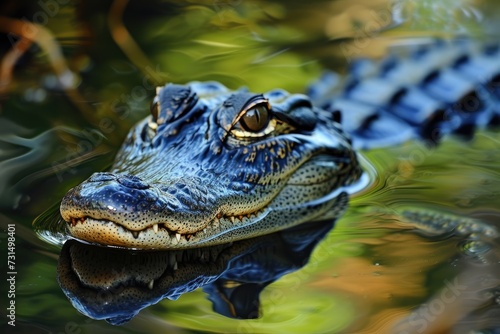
<point>210,165</point>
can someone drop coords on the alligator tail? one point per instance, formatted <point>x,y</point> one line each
<point>426,92</point>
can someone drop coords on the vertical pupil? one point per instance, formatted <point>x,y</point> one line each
<point>255,119</point>
<point>253,115</point>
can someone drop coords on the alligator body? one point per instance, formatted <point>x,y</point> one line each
<point>210,165</point>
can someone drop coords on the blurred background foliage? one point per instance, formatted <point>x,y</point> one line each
<point>73,84</point>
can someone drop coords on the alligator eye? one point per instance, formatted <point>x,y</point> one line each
<point>256,118</point>
<point>155,108</point>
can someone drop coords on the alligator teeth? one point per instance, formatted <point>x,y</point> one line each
<point>150,285</point>
<point>135,234</point>
<point>155,228</point>
<point>178,237</point>
<point>231,218</point>
<point>75,221</point>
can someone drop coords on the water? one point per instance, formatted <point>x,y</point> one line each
<point>377,271</point>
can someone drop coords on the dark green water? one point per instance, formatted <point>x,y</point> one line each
<point>374,273</point>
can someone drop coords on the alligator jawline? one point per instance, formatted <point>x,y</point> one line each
<point>162,226</point>
<point>135,233</point>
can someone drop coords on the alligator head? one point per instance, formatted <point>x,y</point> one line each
<point>210,166</point>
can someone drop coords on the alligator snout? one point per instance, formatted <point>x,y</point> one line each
<point>178,209</point>
<point>111,197</point>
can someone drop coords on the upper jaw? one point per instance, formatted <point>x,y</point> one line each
<point>135,205</point>
<point>97,221</point>
<point>120,210</point>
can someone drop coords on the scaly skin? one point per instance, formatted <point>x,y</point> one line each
<point>211,166</point>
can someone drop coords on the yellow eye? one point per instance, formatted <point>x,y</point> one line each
<point>255,119</point>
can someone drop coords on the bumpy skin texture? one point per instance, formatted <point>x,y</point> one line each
<point>211,166</point>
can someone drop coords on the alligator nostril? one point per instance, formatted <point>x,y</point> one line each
<point>131,181</point>
<point>101,177</point>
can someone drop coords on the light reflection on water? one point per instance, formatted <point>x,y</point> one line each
<point>433,261</point>
<point>373,271</point>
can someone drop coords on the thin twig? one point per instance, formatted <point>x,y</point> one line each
<point>43,37</point>
<point>125,41</point>
<point>10,60</point>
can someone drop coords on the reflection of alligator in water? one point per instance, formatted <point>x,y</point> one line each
<point>211,165</point>
<point>115,284</point>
